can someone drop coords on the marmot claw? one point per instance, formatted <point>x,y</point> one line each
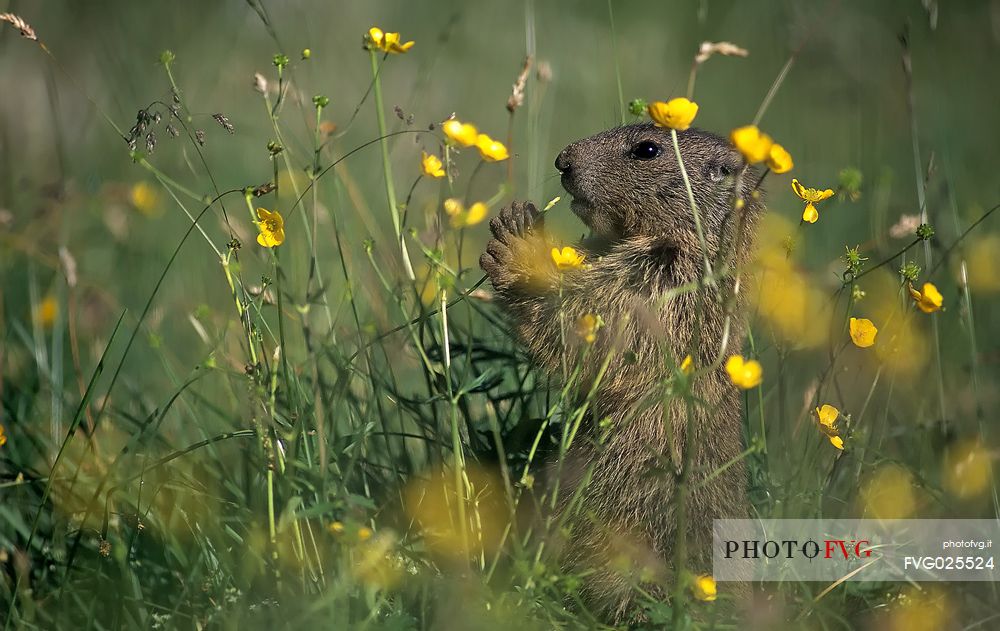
<point>511,229</point>
<point>518,220</point>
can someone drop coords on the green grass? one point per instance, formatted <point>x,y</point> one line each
<point>339,432</point>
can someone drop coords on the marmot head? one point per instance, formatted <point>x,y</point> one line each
<point>626,182</point>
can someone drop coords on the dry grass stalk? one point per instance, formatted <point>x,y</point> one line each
<point>516,99</point>
<point>707,49</point>
<point>19,23</point>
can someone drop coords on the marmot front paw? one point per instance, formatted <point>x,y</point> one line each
<point>510,255</point>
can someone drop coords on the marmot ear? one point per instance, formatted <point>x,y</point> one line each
<point>717,172</point>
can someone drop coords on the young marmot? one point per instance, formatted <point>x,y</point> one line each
<point>628,189</point>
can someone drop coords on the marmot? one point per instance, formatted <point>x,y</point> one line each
<point>628,190</point>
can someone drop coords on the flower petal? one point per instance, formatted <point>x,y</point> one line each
<point>810,214</point>
<point>827,415</point>
<point>779,160</point>
<point>799,190</point>
<point>752,143</point>
<point>863,332</point>
<point>676,113</point>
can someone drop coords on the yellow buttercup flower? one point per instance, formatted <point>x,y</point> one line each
<point>779,160</point>
<point>890,493</point>
<point>810,196</point>
<point>752,143</point>
<point>336,527</point>
<point>967,469</point>
<point>46,312</point>
<point>453,207</point>
<point>491,150</point>
<point>928,299</point>
<point>863,332</point>
<point>687,366</point>
<point>567,258</point>
<point>744,373</point>
<point>3,437</point>
<point>144,197</point>
<point>477,212</point>
<point>464,134</point>
<point>272,228</point>
<point>387,42</point>
<point>827,416</point>
<point>462,218</point>
<point>704,588</point>
<point>431,165</point>
<point>674,114</point>
<point>586,327</point>
<point>364,533</point>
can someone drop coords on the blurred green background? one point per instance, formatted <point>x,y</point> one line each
<point>843,104</point>
<point>67,184</point>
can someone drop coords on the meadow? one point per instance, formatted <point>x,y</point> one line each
<point>251,375</point>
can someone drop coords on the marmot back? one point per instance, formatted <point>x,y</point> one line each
<point>628,189</point>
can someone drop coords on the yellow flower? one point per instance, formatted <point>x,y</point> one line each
<point>810,196</point>
<point>687,366</point>
<point>567,258</point>
<point>779,160</point>
<point>967,469</point>
<point>453,207</point>
<point>586,327</point>
<point>431,165</point>
<point>3,437</point>
<point>922,608</point>
<point>704,588</point>
<point>272,228</point>
<point>889,493</point>
<point>462,218</point>
<point>983,257</point>
<point>46,312</point>
<point>464,134</point>
<point>432,505</point>
<point>863,332</point>
<point>752,143</point>
<point>394,44</point>
<point>929,299</point>
<point>827,416</point>
<point>364,534</point>
<point>387,42</point>
<point>477,212</point>
<point>336,527</point>
<point>674,114</point>
<point>144,197</point>
<point>744,373</point>
<point>376,564</point>
<point>491,150</point>
<point>784,295</point>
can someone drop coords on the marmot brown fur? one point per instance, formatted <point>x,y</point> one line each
<point>628,190</point>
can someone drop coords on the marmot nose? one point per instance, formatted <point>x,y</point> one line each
<point>563,165</point>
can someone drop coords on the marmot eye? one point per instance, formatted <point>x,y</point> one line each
<point>718,172</point>
<point>645,150</point>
